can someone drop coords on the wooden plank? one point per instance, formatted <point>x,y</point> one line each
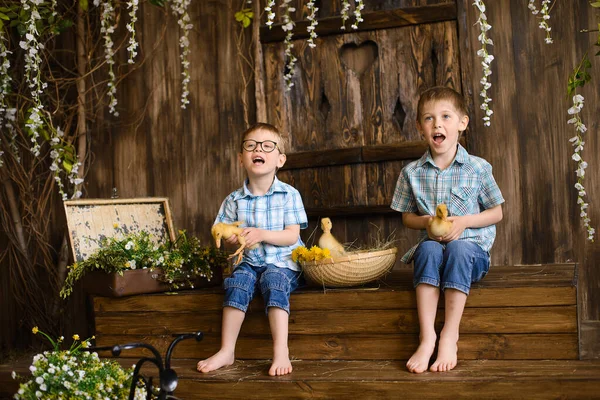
<point>494,389</point>
<point>394,18</point>
<point>556,319</point>
<point>339,211</point>
<point>503,286</point>
<point>589,339</point>
<point>337,299</point>
<point>362,346</point>
<point>389,379</point>
<point>322,158</point>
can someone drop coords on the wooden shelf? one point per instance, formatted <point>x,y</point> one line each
<point>373,20</point>
<point>349,211</point>
<point>355,155</point>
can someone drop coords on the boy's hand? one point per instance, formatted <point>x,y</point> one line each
<point>233,240</point>
<point>253,236</point>
<point>459,224</point>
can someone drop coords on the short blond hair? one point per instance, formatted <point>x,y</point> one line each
<point>282,139</point>
<point>438,93</point>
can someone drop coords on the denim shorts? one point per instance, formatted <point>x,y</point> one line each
<point>275,284</point>
<point>453,265</point>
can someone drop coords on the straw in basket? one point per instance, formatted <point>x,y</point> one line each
<point>351,270</point>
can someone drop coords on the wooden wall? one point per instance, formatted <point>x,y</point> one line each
<point>157,149</point>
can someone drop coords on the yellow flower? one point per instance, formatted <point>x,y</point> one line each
<point>75,337</point>
<point>85,345</point>
<point>35,330</point>
<point>115,225</point>
<point>296,254</point>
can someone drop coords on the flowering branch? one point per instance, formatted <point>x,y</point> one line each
<point>107,18</point>
<point>344,13</point>
<point>5,80</point>
<point>545,17</point>
<point>180,9</point>
<point>312,12</point>
<point>357,15</point>
<point>133,44</point>
<point>579,78</point>
<point>484,26</point>
<point>270,13</point>
<point>288,26</point>
<point>33,61</point>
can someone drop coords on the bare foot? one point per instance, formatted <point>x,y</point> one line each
<point>419,362</point>
<point>220,359</point>
<point>281,363</point>
<point>446,358</point>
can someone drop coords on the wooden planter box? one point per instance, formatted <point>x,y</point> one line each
<point>90,220</point>
<point>139,281</point>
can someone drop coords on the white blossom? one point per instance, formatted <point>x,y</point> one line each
<point>133,44</point>
<point>578,143</point>
<point>487,59</point>
<point>180,9</point>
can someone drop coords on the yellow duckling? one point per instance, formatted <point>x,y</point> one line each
<point>439,225</point>
<point>328,241</point>
<point>222,230</point>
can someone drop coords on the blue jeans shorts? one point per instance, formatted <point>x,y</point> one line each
<point>275,284</point>
<point>453,265</point>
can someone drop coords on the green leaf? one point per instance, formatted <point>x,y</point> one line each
<point>68,166</point>
<point>595,4</point>
<point>246,22</point>
<point>83,4</point>
<point>4,17</point>
<point>239,16</point>
<point>158,3</point>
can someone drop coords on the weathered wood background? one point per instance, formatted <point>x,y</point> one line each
<point>351,118</point>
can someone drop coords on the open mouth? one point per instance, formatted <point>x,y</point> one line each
<point>438,138</point>
<point>258,160</point>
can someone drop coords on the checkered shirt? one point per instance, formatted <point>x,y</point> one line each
<point>279,207</point>
<point>467,186</point>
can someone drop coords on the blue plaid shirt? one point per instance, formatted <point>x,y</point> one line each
<point>466,186</point>
<point>279,207</point>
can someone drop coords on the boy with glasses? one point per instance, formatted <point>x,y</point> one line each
<point>273,214</point>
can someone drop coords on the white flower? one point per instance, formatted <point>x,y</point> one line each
<point>487,59</point>
<point>180,9</point>
<point>577,142</point>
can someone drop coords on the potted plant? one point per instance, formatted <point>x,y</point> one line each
<point>75,373</point>
<point>134,263</point>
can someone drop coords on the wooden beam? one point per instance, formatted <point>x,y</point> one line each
<point>374,20</point>
<point>323,158</point>
<point>348,211</point>
<point>408,150</point>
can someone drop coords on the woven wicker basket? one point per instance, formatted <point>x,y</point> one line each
<point>351,270</point>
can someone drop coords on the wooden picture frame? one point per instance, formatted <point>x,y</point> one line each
<point>91,220</point>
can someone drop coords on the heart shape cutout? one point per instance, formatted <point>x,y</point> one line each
<point>359,58</point>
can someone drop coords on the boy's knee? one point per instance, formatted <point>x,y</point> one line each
<point>276,287</point>
<point>460,249</point>
<point>274,279</point>
<point>239,289</point>
<point>429,248</point>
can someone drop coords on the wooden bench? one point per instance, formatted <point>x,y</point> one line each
<point>519,338</point>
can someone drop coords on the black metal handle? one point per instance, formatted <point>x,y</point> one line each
<point>167,376</point>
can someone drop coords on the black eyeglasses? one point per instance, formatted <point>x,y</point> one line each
<point>267,145</point>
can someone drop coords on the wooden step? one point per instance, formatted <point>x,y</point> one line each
<point>515,313</point>
<point>483,379</point>
<point>477,379</point>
